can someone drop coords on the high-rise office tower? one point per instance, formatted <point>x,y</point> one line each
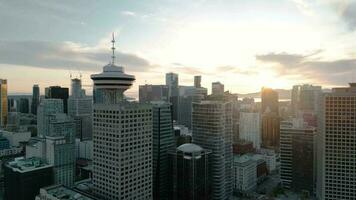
<point>250,128</point>
<point>306,98</point>
<point>217,88</point>
<point>212,130</point>
<point>57,92</point>
<point>336,144</point>
<point>60,148</point>
<point>269,100</point>
<point>173,92</point>
<point>3,102</point>
<point>122,138</point>
<point>35,99</point>
<point>190,165</point>
<point>297,154</point>
<point>172,83</point>
<point>80,108</point>
<point>197,81</point>
<point>57,140</point>
<point>46,109</point>
<point>163,142</point>
<point>270,130</point>
<point>23,105</point>
<point>148,93</point>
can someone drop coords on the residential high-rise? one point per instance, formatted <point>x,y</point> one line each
<point>212,130</point>
<point>3,102</point>
<point>250,128</point>
<point>217,88</point>
<point>163,142</point>
<point>190,165</point>
<point>57,92</point>
<point>336,144</point>
<point>122,138</point>
<point>297,155</point>
<point>270,130</point>
<point>269,100</point>
<point>173,92</point>
<point>148,93</point>
<point>80,108</point>
<point>23,178</point>
<point>35,99</point>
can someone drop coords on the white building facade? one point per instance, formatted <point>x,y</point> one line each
<point>122,138</point>
<point>250,128</point>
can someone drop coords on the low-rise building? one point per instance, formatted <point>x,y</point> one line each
<point>25,177</point>
<point>60,192</point>
<point>245,173</point>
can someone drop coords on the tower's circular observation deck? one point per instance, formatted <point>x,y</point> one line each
<point>113,77</point>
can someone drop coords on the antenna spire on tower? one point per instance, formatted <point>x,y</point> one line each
<point>113,48</point>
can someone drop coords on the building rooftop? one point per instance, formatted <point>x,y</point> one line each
<point>61,192</point>
<point>22,164</point>
<point>190,148</point>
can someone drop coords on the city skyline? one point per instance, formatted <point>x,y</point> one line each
<point>244,45</point>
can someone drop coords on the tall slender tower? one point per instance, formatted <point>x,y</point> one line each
<point>122,137</point>
<point>212,130</point>
<point>336,150</point>
<point>35,99</point>
<point>3,102</point>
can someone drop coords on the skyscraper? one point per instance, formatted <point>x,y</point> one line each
<point>46,109</point>
<point>217,88</point>
<point>35,99</point>
<point>269,100</point>
<point>23,105</point>
<point>56,144</point>
<point>57,92</point>
<point>148,93</point>
<point>212,130</point>
<point>173,92</point>
<point>80,108</point>
<point>336,144</point>
<point>270,130</point>
<point>190,165</point>
<point>306,98</point>
<point>197,81</point>
<point>250,128</point>
<point>163,142</point>
<point>297,154</point>
<point>3,102</point>
<point>122,138</point>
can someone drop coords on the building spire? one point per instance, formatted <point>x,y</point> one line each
<point>113,49</point>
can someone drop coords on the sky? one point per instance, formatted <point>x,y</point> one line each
<point>245,44</point>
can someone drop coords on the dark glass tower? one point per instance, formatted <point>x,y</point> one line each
<point>163,142</point>
<point>57,92</point>
<point>35,99</point>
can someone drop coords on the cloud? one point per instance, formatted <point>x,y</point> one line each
<point>309,67</point>
<point>65,55</point>
<point>349,15</point>
<point>128,13</point>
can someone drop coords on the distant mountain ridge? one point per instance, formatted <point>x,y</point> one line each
<point>283,94</point>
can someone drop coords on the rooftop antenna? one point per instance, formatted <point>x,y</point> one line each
<point>113,49</point>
